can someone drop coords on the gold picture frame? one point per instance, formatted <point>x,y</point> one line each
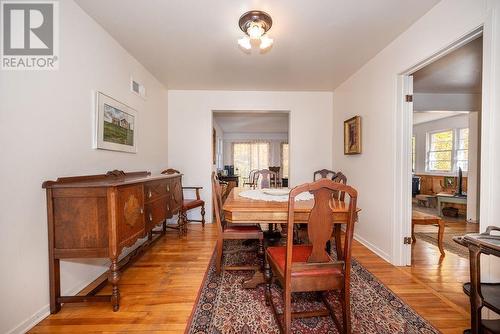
<point>352,135</point>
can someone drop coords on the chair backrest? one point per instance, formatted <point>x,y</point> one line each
<point>340,178</point>
<point>263,178</point>
<point>251,176</point>
<point>170,171</point>
<point>320,223</point>
<point>275,169</point>
<point>324,174</point>
<point>217,202</point>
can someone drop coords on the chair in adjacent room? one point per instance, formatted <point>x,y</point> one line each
<point>187,205</point>
<point>250,181</point>
<point>232,232</point>
<point>264,178</point>
<point>309,268</point>
<point>276,180</point>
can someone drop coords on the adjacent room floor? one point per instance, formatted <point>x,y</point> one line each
<point>159,290</point>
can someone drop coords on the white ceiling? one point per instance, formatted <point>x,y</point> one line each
<point>189,44</point>
<point>456,73</point>
<point>248,122</point>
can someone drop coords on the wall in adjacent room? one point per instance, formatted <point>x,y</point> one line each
<point>372,93</point>
<point>310,133</point>
<point>47,132</point>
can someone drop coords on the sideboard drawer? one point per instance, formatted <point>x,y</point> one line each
<point>155,213</point>
<point>155,189</point>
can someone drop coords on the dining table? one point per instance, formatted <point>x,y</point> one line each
<point>241,210</point>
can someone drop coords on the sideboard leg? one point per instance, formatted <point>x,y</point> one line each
<point>114,277</point>
<point>55,285</point>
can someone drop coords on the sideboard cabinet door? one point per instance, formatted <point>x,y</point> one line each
<point>130,214</point>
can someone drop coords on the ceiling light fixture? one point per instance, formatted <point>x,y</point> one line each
<point>255,24</point>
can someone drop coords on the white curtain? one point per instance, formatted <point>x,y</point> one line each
<point>250,155</point>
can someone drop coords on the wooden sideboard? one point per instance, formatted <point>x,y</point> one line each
<point>97,216</point>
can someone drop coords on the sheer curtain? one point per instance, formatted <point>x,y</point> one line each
<point>250,155</point>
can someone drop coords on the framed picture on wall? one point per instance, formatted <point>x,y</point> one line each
<point>352,135</point>
<point>115,125</point>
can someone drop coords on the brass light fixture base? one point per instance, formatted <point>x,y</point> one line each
<point>256,16</point>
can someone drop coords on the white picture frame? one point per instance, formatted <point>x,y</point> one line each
<point>115,126</point>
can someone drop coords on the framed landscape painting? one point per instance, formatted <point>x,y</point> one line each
<point>116,125</point>
<point>352,135</point>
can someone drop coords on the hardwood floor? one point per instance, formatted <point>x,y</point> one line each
<point>158,291</point>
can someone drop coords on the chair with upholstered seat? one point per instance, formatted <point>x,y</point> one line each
<point>188,204</point>
<point>309,268</point>
<point>232,232</point>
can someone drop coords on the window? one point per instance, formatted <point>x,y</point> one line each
<point>284,159</point>
<point>439,154</point>
<point>462,151</point>
<point>448,150</point>
<point>248,156</point>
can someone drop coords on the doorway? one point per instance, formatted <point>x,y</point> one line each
<point>245,141</point>
<point>444,102</point>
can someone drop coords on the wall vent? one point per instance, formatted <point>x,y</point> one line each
<point>137,88</point>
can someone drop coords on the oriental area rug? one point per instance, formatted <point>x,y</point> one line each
<point>223,306</point>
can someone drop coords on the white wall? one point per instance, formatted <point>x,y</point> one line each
<point>46,119</point>
<point>372,92</point>
<point>190,112</point>
<point>274,139</point>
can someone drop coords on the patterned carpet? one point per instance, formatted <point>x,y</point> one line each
<point>225,307</point>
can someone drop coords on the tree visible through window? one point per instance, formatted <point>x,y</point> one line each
<point>284,159</point>
<point>439,155</point>
<point>249,156</point>
<point>448,150</point>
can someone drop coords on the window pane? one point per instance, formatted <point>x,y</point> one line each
<point>444,166</point>
<point>440,151</point>
<point>464,164</point>
<point>462,155</point>
<point>444,155</point>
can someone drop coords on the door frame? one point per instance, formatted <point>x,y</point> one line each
<point>404,120</point>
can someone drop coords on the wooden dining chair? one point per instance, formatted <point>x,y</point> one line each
<point>308,268</point>
<point>276,180</point>
<point>251,179</point>
<point>232,232</point>
<point>188,204</point>
<point>264,178</point>
<point>324,174</point>
<point>338,195</point>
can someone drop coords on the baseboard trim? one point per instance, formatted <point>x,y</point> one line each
<point>31,322</point>
<point>372,247</point>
